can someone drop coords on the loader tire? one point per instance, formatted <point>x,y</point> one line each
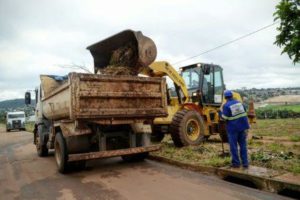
<point>135,157</point>
<point>187,128</point>
<point>61,153</point>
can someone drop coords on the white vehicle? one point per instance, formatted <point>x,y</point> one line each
<point>15,120</point>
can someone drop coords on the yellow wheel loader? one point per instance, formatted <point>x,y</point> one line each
<point>194,104</point>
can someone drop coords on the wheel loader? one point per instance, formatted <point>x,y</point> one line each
<point>194,104</point>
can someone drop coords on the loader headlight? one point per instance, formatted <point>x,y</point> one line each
<point>194,94</point>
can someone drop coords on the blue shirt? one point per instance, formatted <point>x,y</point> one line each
<point>235,115</point>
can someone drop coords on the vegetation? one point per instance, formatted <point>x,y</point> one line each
<point>288,12</point>
<point>278,111</point>
<point>29,126</point>
<point>275,156</point>
<point>15,105</point>
<point>295,108</point>
<point>207,154</point>
<point>277,127</point>
<point>278,149</point>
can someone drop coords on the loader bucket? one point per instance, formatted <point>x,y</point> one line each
<point>142,50</point>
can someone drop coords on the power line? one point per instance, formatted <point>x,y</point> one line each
<point>226,43</point>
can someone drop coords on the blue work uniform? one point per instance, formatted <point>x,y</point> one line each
<point>236,125</point>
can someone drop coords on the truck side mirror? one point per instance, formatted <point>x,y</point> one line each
<point>27,98</point>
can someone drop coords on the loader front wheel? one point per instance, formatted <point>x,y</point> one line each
<point>187,128</point>
<point>61,153</point>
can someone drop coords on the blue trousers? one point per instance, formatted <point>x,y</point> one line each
<point>235,139</point>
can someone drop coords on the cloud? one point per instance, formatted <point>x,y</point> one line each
<point>36,36</point>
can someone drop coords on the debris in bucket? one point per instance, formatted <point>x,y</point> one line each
<point>118,70</point>
<point>123,61</point>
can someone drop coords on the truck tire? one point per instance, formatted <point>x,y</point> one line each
<point>41,148</point>
<point>187,128</point>
<point>135,157</point>
<point>7,130</point>
<point>61,153</point>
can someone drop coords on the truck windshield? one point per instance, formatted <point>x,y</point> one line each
<point>12,116</point>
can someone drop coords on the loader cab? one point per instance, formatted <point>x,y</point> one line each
<point>204,82</point>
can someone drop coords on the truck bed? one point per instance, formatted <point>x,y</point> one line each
<point>106,98</point>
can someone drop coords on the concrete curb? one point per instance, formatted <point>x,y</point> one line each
<point>262,178</point>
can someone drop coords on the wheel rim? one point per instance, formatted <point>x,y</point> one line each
<point>57,154</point>
<point>192,129</point>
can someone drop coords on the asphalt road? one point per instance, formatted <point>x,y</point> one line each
<point>23,175</point>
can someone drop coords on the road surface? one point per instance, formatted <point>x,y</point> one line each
<point>23,175</point>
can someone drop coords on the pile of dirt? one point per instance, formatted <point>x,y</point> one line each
<point>118,70</point>
<point>123,61</point>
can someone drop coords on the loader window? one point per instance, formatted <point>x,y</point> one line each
<point>207,88</point>
<point>218,87</point>
<point>191,78</point>
<point>212,86</point>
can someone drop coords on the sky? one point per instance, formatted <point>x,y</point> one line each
<point>38,37</point>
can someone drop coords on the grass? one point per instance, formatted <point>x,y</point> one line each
<point>202,155</point>
<point>277,128</point>
<point>295,108</point>
<point>29,126</point>
<point>295,138</point>
<point>274,155</point>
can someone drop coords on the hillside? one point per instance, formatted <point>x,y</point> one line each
<point>13,104</point>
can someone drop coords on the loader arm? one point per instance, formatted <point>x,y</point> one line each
<point>162,68</point>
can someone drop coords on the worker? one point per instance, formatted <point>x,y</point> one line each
<point>237,125</point>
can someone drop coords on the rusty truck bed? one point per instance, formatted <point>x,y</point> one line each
<point>105,97</point>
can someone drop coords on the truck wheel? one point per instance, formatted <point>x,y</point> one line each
<point>7,130</point>
<point>187,128</point>
<point>157,135</point>
<point>135,157</point>
<point>61,153</point>
<point>41,149</point>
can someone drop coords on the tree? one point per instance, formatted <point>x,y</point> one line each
<point>288,12</point>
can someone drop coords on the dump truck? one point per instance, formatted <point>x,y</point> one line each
<point>91,116</point>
